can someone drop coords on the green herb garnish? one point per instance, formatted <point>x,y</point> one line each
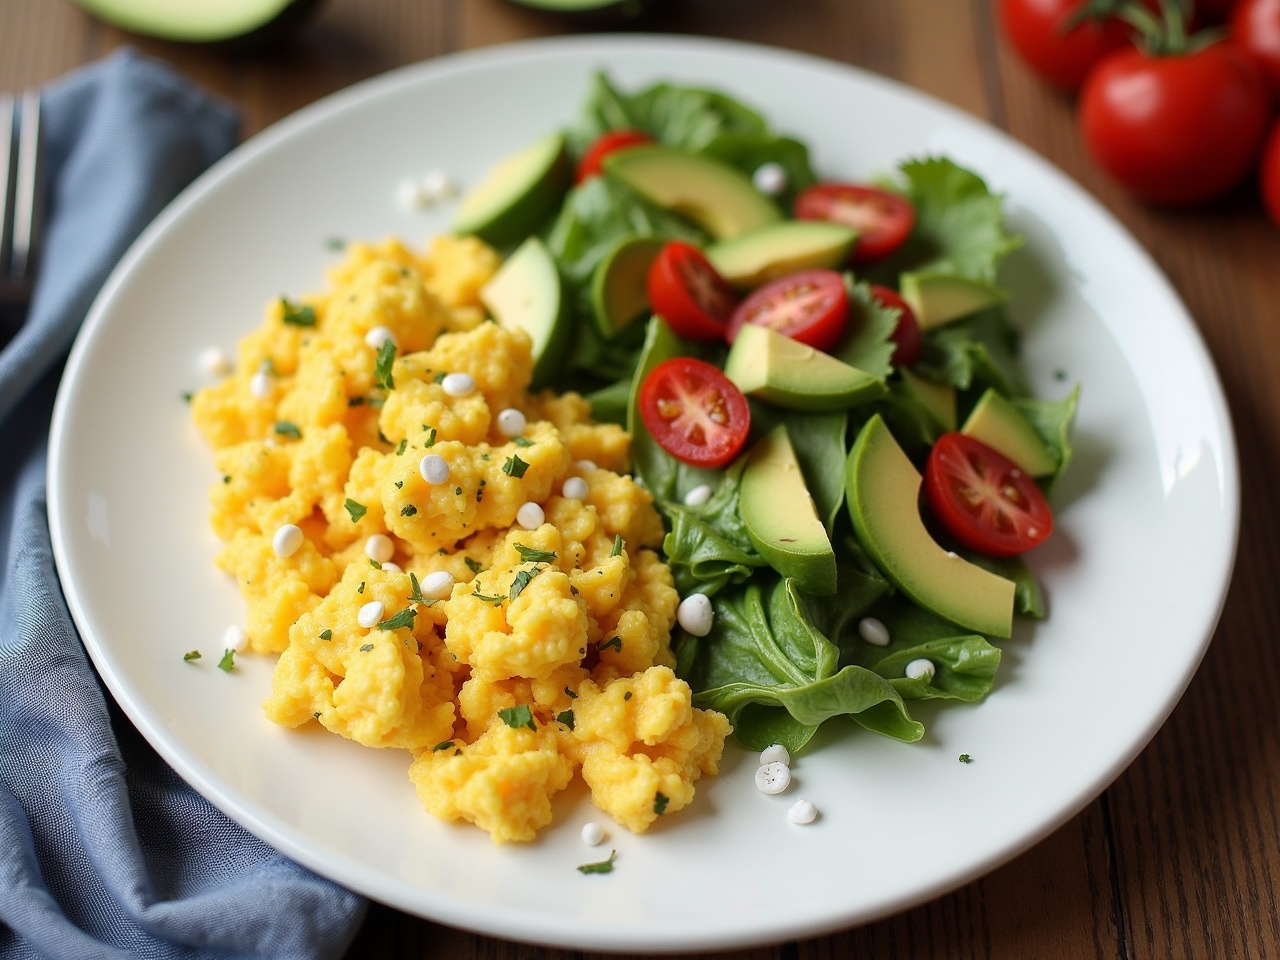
<point>614,641</point>
<point>521,581</point>
<point>191,655</point>
<point>660,802</point>
<point>355,510</point>
<point>617,545</point>
<point>442,745</point>
<point>228,661</point>
<point>402,619</point>
<point>326,634</point>
<point>522,441</point>
<point>603,866</point>
<point>514,467</point>
<point>565,717</point>
<point>297,315</point>
<point>382,368</point>
<point>286,429</point>
<point>517,717</point>
<point>532,555</point>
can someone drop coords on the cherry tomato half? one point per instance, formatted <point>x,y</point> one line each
<point>882,218</point>
<point>1038,31</point>
<point>811,306</point>
<point>907,338</point>
<point>694,412</point>
<point>685,290</point>
<point>605,144</point>
<point>983,499</point>
<point>1179,128</point>
<point>1255,29</point>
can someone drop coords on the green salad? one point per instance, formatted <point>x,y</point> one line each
<point>822,384</point>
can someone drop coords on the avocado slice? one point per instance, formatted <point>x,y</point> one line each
<point>1000,425</point>
<point>527,293</point>
<point>936,399</point>
<point>619,283</point>
<point>715,196</point>
<point>781,519</point>
<point>882,488</point>
<point>202,21</point>
<point>517,195</point>
<point>776,249</point>
<point>766,364</point>
<point>937,298</point>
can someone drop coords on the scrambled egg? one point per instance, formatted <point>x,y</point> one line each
<point>541,650</point>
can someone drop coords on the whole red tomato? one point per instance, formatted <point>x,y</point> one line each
<point>1255,29</point>
<point>1269,175</point>
<point>1178,128</point>
<point>1038,30</point>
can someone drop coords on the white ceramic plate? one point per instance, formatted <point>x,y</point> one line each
<point>1147,514</point>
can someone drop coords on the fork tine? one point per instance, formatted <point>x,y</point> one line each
<point>7,165</point>
<point>26,207</point>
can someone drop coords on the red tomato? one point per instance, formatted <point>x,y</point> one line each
<point>1177,128</point>
<point>882,218</point>
<point>694,412</point>
<point>983,499</point>
<point>908,339</point>
<point>1269,175</point>
<point>685,290</point>
<point>1037,29</point>
<point>1255,29</point>
<point>811,306</point>
<point>589,165</point>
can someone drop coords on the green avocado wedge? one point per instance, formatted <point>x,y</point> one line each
<point>937,299</point>
<point>882,489</point>
<point>715,196</point>
<point>527,293</point>
<point>996,422</point>
<point>518,195</point>
<point>619,283</point>
<point>202,21</point>
<point>754,258</point>
<point>779,514</point>
<point>766,364</point>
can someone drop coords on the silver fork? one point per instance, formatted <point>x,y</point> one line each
<point>20,207</point>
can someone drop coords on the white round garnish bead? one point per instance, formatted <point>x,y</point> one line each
<point>775,753</point>
<point>378,336</point>
<point>379,548</point>
<point>531,516</point>
<point>409,194</point>
<point>287,540</point>
<point>458,384</point>
<point>920,669</point>
<point>585,466</point>
<point>695,614</point>
<point>698,495</point>
<point>436,186</point>
<point>873,631</point>
<point>437,586</point>
<point>434,468</point>
<point>802,811</point>
<point>773,777</point>
<point>592,833</point>
<point>575,488</point>
<point>215,362</point>
<point>391,567</point>
<point>260,385</point>
<point>370,614</point>
<point>511,422</point>
<point>235,638</point>
<point>770,179</point>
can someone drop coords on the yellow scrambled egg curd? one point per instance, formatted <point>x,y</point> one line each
<point>491,600</point>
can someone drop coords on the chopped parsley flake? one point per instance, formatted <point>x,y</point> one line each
<point>335,243</point>
<point>360,589</point>
<point>228,661</point>
<point>522,441</point>
<point>366,647</point>
<point>382,368</point>
<point>226,478</point>
<point>297,315</point>
<point>486,597</point>
<point>356,510</point>
<point>565,717</point>
<point>442,745</point>
<point>603,866</point>
<point>187,396</point>
<point>326,634</point>
<point>514,467</point>
<point>617,545</point>
<point>521,581</point>
<point>287,429</point>
<point>570,694</point>
<point>191,655</point>
<point>660,802</point>
<point>415,589</point>
<point>408,510</point>
<point>431,437</point>
<point>965,758</point>
<point>402,619</point>
<point>517,717</point>
<point>472,565</point>
<point>615,642</point>
<point>401,447</point>
<point>532,555</point>
<point>375,564</point>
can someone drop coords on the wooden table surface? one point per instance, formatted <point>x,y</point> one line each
<point>1179,857</point>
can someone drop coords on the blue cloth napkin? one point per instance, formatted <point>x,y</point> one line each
<point>104,850</point>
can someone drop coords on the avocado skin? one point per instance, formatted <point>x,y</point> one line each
<point>235,39</point>
<point>594,14</point>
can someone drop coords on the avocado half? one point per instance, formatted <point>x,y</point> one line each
<point>203,21</point>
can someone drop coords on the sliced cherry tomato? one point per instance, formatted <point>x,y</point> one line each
<point>694,412</point>
<point>1179,128</point>
<point>1058,51</point>
<point>907,338</point>
<point>983,499</point>
<point>589,165</point>
<point>882,218</point>
<point>1255,29</point>
<point>811,306</point>
<point>685,290</point>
